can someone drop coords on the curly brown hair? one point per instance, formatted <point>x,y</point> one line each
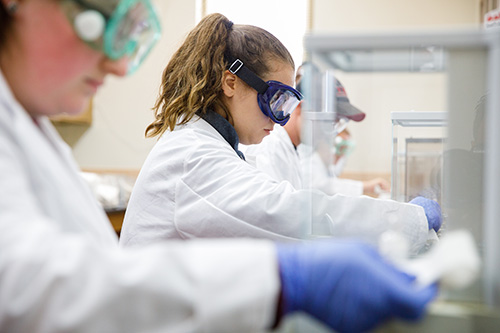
<point>192,80</point>
<point>5,21</point>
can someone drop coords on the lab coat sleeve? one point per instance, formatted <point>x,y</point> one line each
<point>57,283</point>
<point>368,219</point>
<point>346,186</point>
<point>52,280</point>
<point>239,200</point>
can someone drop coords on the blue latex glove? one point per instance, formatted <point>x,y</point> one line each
<point>432,211</point>
<point>347,285</point>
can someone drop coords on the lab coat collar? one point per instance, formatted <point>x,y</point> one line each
<point>224,128</point>
<point>6,95</point>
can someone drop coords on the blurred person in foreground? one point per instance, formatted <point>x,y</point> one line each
<point>60,267</point>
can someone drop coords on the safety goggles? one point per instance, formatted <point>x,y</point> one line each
<point>276,100</point>
<point>126,28</point>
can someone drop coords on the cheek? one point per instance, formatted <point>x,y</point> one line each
<point>251,121</point>
<point>256,112</point>
<point>58,55</point>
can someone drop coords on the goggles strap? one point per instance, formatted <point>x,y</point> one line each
<point>238,68</point>
<point>92,7</point>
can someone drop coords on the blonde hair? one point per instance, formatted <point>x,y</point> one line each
<point>192,80</point>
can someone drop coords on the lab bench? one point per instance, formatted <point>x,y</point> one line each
<point>442,316</point>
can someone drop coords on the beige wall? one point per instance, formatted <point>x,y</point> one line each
<point>378,94</point>
<point>122,108</point>
<point>337,15</point>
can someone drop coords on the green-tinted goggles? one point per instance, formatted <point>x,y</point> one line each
<point>126,28</point>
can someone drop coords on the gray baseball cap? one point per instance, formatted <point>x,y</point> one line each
<point>344,106</point>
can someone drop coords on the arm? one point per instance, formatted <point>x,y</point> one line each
<point>245,202</point>
<point>56,280</point>
<point>63,283</point>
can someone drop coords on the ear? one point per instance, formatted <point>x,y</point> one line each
<point>228,83</point>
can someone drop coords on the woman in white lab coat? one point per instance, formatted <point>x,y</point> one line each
<point>196,183</point>
<point>60,267</point>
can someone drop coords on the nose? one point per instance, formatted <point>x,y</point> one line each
<point>116,67</point>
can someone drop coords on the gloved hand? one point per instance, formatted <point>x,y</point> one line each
<point>432,211</point>
<point>347,285</point>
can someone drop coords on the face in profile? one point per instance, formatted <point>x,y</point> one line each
<point>52,70</point>
<point>250,123</point>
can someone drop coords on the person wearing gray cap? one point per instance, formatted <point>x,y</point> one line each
<point>283,156</point>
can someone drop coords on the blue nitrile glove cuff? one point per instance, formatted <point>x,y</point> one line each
<point>432,211</point>
<point>347,285</point>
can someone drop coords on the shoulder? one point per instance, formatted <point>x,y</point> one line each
<point>195,141</point>
<point>195,134</point>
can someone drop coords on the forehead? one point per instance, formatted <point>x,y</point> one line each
<point>282,72</point>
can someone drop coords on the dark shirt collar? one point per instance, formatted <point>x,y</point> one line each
<point>224,128</point>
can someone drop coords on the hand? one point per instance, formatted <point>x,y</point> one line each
<point>376,184</point>
<point>432,211</point>
<point>347,285</point>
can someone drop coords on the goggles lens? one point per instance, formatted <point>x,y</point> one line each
<point>132,31</point>
<point>131,27</point>
<point>283,102</point>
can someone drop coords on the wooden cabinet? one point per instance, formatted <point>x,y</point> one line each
<point>116,219</point>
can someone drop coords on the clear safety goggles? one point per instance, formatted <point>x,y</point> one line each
<point>126,28</point>
<point>276,100</point>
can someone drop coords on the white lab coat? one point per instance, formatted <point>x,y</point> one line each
<point>62,271</point>
<point>277,157</point>
<point>302,167</point>
<point>193,184</point>
<point>323,178</point>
